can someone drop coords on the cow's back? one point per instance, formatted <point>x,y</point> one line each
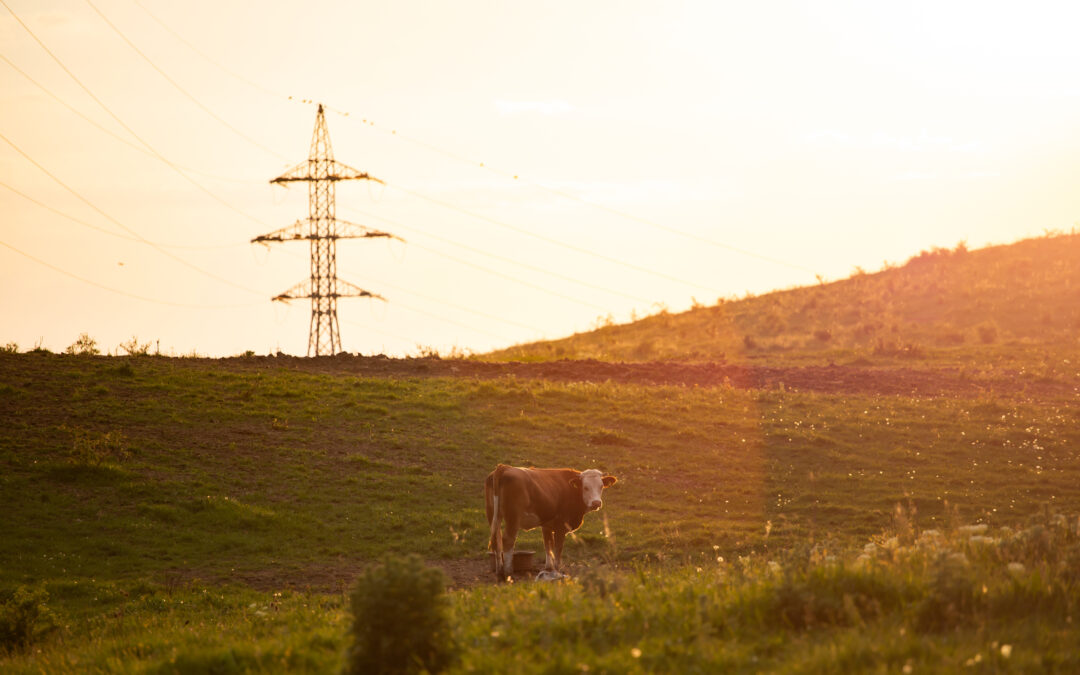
<point>545,493</point>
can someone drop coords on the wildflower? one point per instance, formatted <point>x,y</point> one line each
<point>930,538</point>
<point>958,558</point>
<point>636,653</point>
<point>1006,651</point>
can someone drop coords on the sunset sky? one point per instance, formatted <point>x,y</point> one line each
<point>664,152</point>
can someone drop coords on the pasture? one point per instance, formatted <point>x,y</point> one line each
<point>188,515</point>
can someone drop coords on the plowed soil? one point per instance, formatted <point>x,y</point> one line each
<point>831,379</point>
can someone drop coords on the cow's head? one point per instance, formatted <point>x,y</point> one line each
<point>592,483</point>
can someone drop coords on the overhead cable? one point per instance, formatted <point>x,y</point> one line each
<point>552,240</point>
<point>570,196</point>
<point>116,136</point>
<point>116,290</point>
<point>123,124</point>
<point>116,222</point>
<point>179,88</point>
<point>117,234</point>
<point>516,263</point>
<point>506,174</point>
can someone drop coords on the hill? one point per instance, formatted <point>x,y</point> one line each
<point>957,306</point>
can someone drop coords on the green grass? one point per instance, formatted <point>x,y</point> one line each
<point>157,499</point>
<point>1000,600</point>
<point>938,603</point>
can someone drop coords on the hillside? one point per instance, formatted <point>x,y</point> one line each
<point>957,306</point>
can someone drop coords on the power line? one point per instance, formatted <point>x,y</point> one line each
<point>509,277</point>
<point>121,122</point>
<point>110,232</point>
<point>118,137</point>
<point>551,240</point>
<point>506,174</point>
<point>517,263</point>
<point>115,290</point>
<point>113,220</point>
<point>210,60</point>
<point>444,319</point>
<point>179,88</point>
<point>440,301</point>
<point>515,177</point>
<point>581,200</point>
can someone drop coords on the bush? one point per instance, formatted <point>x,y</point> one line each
<point>134,348</point>
<point>25,619</point>
<point>84,346</point>
<point>400,620</point>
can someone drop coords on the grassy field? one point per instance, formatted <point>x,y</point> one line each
<point>190,515</point>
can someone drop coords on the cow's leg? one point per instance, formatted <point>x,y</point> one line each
<point>558,537</point>
<point>549,548</point>
<point>509,537</point>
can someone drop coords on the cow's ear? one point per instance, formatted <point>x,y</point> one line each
<point>575,482</point>
<point>610,480</point>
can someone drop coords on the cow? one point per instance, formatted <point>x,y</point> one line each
<point>554,499</point>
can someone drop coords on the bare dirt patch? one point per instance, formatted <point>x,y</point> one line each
<point>832,379</point>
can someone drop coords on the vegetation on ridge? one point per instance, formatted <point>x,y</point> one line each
<point>951,305</point>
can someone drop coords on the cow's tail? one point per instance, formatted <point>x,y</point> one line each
<point>496,531</point>
<point>496,516</point>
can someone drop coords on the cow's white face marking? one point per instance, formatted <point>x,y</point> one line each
<point>592,486</point>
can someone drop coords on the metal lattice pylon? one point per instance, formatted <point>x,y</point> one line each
<point>322,229</point>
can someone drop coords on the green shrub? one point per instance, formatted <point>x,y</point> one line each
<point>400,620</point>
<point>25,619</point>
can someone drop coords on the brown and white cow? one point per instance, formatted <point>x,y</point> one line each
<point>554,499</point>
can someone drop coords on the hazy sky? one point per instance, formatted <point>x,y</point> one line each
<point>665,151</point>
